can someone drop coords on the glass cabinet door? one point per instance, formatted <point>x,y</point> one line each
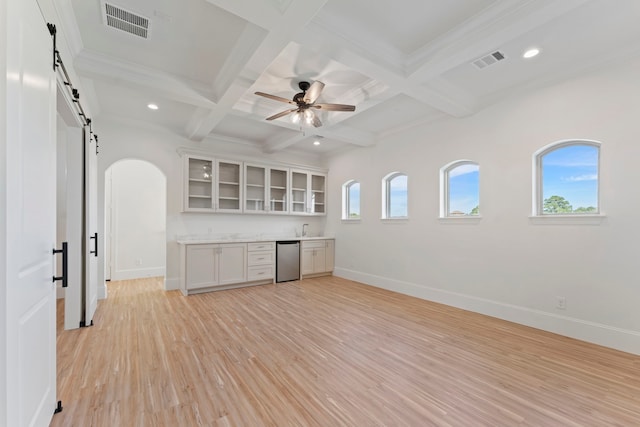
<point>278,189</point>
<point>255,188</point>
<point>229,190</point>
<point>317,203</point>
<point>199,185</point>
<point>298,192</point>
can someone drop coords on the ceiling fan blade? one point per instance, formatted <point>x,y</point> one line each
<point>313,92</point>
<point>282,113</point>
<point>276,98</point>
<point>316,121</point>
<point>334,107</point>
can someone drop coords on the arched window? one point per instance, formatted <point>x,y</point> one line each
<point>394,196</point>
<point>566,178</point>
<point>460,189</point>
<point>351,200</point>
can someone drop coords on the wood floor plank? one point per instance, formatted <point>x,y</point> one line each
<point>328,352</point>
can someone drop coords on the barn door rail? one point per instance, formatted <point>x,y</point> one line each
<point>58,65</point>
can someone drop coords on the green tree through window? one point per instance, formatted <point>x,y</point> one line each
<point>569,178</point>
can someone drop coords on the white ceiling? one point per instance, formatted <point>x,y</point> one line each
<point>401,62</point>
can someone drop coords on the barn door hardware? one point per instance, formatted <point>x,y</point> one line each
<point>65,268</point>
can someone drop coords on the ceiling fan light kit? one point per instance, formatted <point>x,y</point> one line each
<point>305,103</point>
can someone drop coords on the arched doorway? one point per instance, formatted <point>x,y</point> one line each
<point>135,220</point>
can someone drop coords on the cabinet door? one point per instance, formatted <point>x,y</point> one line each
<point>299,185</point>
<point>229,186</point>
<point>319,259</point>
<point>232,263</point>
<point>255,188</point>
<point>317,204</point>
<point>198,183</point>
<point>278,190</point>
<point>329,262</point>
<point>307,260</point>
<point>201,271</point>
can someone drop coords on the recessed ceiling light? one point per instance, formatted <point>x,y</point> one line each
<point>531,53</point>
<point>152,106</point>
<point>316,142</point>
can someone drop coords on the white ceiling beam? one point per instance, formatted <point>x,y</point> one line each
<point>280,26</point>
<point>494,27</point>
<point>133,75</point>
<point>334,46</point>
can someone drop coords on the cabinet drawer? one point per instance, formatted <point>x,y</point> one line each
<point>261,258</point>
<point>260,272</point>
<point>314,244</point>
<point>261,246</point>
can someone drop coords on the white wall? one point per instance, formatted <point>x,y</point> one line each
<point>125,140</point>
<point>137,204</point>
<point>504,265</point>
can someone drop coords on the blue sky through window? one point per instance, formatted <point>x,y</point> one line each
<point>398,197</point>
<point>354,200</point>
<point>571,172</point>
<point>464,188</point>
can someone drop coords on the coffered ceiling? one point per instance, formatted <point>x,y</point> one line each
<point>400,62</point>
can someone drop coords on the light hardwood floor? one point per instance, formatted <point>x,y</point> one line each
<point>328,352</point>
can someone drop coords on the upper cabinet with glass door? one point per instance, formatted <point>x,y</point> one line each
<point>265,189</point>
<point>308,193</point>
<point>278,190</point>
<point>198,185</point>
<point>255,188</point>
<point>229,186</point>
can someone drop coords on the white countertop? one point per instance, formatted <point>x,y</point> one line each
<point>199,240</point>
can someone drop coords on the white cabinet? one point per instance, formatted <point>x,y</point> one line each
<point>262,261</point>
<point>228,186</point>
<point>278,190</point>
<point>317,257</point>
<point>198,184</point>
<point>266,189</point>
<point>212,265</point>
<point>216,266</point>
<point>308,193</point>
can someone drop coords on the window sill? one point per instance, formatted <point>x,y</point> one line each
<point>567,219</point>
<point>394,220</point>
<point>466,220</point>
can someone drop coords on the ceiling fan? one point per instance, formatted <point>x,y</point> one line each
<point>305,104</point>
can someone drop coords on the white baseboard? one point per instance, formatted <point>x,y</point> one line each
<point>171,284</point>
<point>608,336</point>
<point>138,273</point>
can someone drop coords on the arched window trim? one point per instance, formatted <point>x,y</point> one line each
<point>537,215</point>
<point>444,188</point>
<point>346,200</point>
<point>386,193</point>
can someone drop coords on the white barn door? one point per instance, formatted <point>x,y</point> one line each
<point>92,237</point>
<point>28,178</point>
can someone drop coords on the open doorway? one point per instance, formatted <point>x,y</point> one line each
<point>135,220</point>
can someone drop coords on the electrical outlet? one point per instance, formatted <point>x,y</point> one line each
<point>561,303</point>
<point>139,261</point>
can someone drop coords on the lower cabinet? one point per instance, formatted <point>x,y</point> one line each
<point>317,257</point>
<point>206,267</point>
<point>262,261</point>
<point>216,266</point>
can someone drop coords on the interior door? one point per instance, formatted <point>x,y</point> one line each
<point>30,223</point>
<point>92,238</point>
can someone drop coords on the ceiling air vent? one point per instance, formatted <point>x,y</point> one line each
<point>120,19</point>
<point>489,59</point>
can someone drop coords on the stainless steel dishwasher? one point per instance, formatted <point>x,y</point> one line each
<point>287,260</point>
